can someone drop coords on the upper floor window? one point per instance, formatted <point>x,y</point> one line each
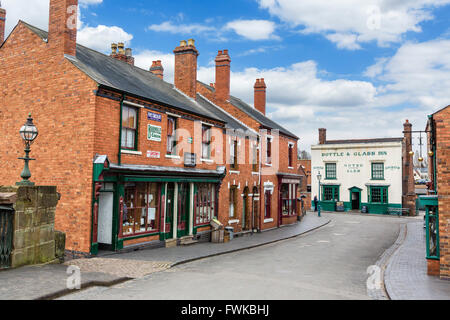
<point>377,171</point>
<point>291,155</point>
<point>269,151</point>
<point>234,154</point>
<point>171,135</point>
<point>330,171</point>
<point>129,128</point>
<point>233,201</point>
<point>255,156</point>
<point>206,142</point>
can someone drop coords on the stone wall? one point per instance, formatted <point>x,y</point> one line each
<point>34,224</point>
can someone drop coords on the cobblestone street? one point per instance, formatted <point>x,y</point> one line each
<point>330,263</point>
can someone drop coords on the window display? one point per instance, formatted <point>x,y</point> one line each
<point>205,204</point>
<point>142,208</point>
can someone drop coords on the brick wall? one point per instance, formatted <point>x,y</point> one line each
<point>32,77</point>
<point>442,121</point>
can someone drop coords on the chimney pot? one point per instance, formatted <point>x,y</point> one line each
<point>128,52</point>
<point>183,43</point>
<point>191,42</point>
<point>114,48</point>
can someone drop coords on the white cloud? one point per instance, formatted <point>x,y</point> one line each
<point>145,58</point>
<point>36,12</point>
<point>100,37</point>
<point>253,29</point>
<point>351,23</point>
<point>170,27</point>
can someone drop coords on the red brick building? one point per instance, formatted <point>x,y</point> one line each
<point>438,202</point>
<point>136,159</point>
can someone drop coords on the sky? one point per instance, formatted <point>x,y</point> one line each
<point>357,68</point>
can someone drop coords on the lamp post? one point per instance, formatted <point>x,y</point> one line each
<point>319,178</point>
<point>29,133</point>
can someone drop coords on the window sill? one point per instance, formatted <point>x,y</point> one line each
<point>291,168</point>
<point>268,165</point>
<point>136,153</point>
<point>168,156</point>
<point>235,221</point>
<point>255,173</point>
<point>234,172</point>
<point>207,160</point>
<point>268,220</point>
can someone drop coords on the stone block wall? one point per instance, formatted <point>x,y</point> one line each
<point>34,224</point>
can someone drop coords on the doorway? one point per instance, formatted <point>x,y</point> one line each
<point>170,190</point>
<point>356,200</point>
<point>105,220</point>
<point>183,210</point>
<point>245,214</point>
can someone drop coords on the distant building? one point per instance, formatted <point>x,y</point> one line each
<point>363,174</point>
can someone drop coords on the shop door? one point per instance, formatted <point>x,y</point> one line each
<point>169,210</point>
<point>183,210</point>
<point>105,220</point>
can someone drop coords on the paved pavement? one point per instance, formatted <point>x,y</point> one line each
<point>329,263</point>
<point>39,282</point>
<point>406,275</point>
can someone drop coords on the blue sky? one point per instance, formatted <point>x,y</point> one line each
<point>359,69</point>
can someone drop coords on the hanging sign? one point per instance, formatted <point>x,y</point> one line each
<point>154,133</point>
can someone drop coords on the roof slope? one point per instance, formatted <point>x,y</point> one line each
<point>255,114</point>
<point>357,141</point>
<point>121,76</point>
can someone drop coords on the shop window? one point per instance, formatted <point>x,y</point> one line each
<point>234,155</point>
<point>142,209</point>
<point>171,135</point>
<point>129,128</point>
<point>330,171</point>
<point>288,199</point>
<point>267,204</point>
<point>378,171</point>
<point>205,203</point>
<point>233,202</point>
<point>330,193</point>
<point>206,142</point>
<point>378,195</point>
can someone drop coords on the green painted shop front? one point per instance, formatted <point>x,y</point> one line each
<point>130,204</point>
<point>377,201</point>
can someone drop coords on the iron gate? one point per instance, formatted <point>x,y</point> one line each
<point>6,236</point>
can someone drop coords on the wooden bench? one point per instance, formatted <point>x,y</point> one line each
<point>398,211</point>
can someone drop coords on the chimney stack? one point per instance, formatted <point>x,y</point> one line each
<point>322,136</point>
<point>260,95</point>
<point>119,52</point>
<point>186,67</point>
<point>157,69</point>
<point>62,30</point>
<point>223,69</point>
<point>409,195</point>
<point>2,24</point>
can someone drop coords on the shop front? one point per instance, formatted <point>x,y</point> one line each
<point>289,209</point>
<point>145,204</point>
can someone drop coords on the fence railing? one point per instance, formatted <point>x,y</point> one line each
<point>6,236</point>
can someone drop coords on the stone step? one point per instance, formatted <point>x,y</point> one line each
<point>187,241</point>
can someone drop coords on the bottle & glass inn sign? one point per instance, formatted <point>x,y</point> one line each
<point>355,154</point>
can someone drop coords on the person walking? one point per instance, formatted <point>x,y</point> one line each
<point>316,202</point>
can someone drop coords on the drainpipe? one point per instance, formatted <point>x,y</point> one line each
<point>119,156</point>
<point>261,193</point>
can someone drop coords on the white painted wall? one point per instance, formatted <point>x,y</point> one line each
<point>347,155</point>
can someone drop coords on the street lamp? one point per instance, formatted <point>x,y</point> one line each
<point>29,133</point>
<point>319,178</point>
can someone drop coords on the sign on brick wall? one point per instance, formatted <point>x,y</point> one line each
<point>154,133</point>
